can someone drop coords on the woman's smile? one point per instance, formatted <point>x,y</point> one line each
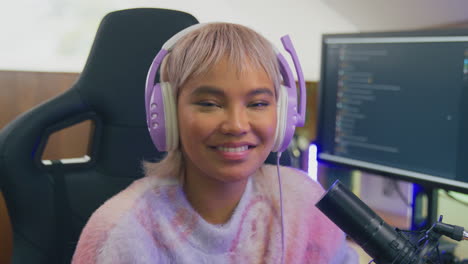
<point>234,151</point>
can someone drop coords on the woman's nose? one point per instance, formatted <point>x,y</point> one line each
<point>236,121</point>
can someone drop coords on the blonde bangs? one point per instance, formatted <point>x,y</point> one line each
<point>198,51</point>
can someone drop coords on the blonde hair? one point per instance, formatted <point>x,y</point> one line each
<point>197,52</point>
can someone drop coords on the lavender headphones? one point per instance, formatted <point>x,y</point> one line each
<point>160,105</point>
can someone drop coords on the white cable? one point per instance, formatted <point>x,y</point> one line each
<point>281,206</point>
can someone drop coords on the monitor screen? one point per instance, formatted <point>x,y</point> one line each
<point>396,103</point>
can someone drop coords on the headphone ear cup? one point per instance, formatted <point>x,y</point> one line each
<point>155,117</point>
<point>161,118</point>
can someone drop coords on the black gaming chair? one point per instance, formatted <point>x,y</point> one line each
<point>50,203</point>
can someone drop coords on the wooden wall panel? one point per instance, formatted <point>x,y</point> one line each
<point>19,92</point>
<point>309,130</point>
<point>6,235</point>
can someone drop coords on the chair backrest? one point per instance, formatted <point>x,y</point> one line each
<point>50,203</point>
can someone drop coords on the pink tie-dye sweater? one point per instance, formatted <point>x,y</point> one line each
<point>152,222</point>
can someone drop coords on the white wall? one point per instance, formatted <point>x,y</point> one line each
<point>56,35</point>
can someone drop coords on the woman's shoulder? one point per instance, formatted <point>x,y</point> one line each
<point>109,215</point>
<point>298,174</point>
<point>112,209</point>
<point>295,184</point>
<point>290,178</point>
<point>307,225</point>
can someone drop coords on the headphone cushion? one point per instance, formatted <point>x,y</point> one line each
<point>170,114</point>
<point>281,110</point>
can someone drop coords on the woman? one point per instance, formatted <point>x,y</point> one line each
<point>212,199</point>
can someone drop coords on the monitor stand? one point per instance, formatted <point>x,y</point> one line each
<point>425,202</point>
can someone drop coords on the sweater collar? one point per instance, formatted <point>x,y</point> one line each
<point>207,237</point>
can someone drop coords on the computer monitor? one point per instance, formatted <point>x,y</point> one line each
<point>396,104</point>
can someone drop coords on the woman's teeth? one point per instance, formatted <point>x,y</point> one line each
<point>238,149</point>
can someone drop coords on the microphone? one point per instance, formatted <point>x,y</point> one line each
<point>382,242</point>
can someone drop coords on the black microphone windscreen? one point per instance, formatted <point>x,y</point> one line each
<point>364,226</point>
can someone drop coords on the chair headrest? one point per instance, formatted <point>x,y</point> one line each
<point>113,79</point>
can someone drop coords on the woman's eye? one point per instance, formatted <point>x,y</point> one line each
<point>259,104</point>
<point>207,104</point>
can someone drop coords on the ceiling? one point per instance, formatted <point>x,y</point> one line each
<point>387,15</point>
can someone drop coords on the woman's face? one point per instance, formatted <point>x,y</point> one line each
<point>227,122</point>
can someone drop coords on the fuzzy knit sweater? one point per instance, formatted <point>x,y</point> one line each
<point>152,222</point>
